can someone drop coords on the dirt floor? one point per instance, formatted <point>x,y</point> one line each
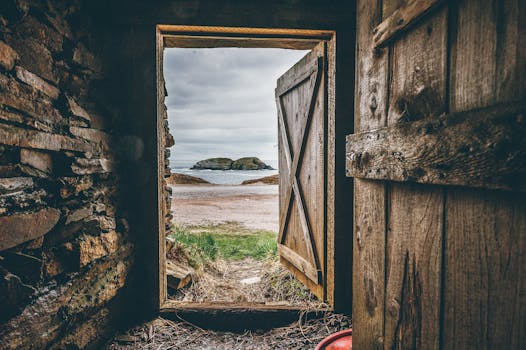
<point>255,206</point>
<point>248,280</point>
<point>165,334</point>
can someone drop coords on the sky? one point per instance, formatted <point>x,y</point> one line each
<point>221,102</point>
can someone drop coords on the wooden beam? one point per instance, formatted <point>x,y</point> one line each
<point>244,31</point>
<point>479,148</point>
<point>401,19</point>
<point>191,41</point>
<point>300,263</point>
<point>212,36</point>
<point>236,316</point>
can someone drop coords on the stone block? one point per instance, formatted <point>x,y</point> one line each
<point>91,225</point>
<point>37,82</point>
<point>90,334</point>
<point>93,135</point>
<point>22,200</point>
<point>92,248</point>
<point>60,25</point>
<point>15,136</point>
<point>83,57</point>
<point>30,27</point>
<point>84,166</point>
<point>38,325</point>
<point>19,228</point>
<point>35,57</point>
<point>79,214</point>
<point>37,159</point>
<point>8,56</point>
<point>26,99</point>
<point>59,260</point>
<point>15,184</point>
<point>77,110</point>
<point>74,185</point>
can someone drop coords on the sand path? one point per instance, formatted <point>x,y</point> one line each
<point>255,206</point>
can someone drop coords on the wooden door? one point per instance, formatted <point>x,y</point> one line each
<point>439,165</point>
<point>301,104</point>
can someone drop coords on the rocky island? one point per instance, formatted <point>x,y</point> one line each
<point>246,163</point>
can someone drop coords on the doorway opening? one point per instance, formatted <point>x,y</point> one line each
<point>222,244</point>
<point>305,105</point>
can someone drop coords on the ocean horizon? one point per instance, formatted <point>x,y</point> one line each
<point>223,177</point>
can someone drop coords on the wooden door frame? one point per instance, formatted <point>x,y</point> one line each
<point>211,37</point>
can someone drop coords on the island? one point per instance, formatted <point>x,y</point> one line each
<point>246,163</point>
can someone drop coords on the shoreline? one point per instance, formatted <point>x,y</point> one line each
<point>178,178</point>
<point>254,206</point>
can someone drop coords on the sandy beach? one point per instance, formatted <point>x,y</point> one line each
<point>255,206</point>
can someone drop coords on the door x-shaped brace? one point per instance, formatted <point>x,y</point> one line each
<point>311,73</point>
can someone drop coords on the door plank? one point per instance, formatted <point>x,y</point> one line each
<point>369,197</point>
<point>486,268</point>
<point>300,263</point>
<point>401,17</point>
<point>414,238</point>
<point>485,293</point>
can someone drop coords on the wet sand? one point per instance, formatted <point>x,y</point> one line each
<point>255,206</point>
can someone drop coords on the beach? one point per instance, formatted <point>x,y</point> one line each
<point>255,206</point>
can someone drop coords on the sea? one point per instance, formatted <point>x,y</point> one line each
<point>224,177</point>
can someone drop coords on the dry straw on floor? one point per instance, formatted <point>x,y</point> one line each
<point>221,281</point>
<point>165,334</point>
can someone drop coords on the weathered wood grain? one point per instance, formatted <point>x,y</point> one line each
<point>300,263</point>
<point>212,36</point>
<point>369,197</point>
<point>190,41</point>
<point>414,257</point>
<point>401,19</point>
<point>473,55</point>
<point>482,148</point>
<point>236,316</point>
<point>300,98</point>
<point>484,291</point>
<point>415,218</point>
<point>485,298</point>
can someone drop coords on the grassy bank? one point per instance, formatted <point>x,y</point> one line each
<point>229,241</point>
<point>226,254</point>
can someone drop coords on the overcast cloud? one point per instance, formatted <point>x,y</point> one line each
<point>221,101</point>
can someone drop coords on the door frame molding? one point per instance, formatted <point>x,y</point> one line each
<point>246,37</point>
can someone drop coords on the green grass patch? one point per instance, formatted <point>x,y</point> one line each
<point>229,241</point>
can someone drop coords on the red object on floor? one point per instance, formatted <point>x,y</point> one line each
<point>341,340</point>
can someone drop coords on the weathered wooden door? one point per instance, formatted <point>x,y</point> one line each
<point>439,165</point>
<point>301,104</point>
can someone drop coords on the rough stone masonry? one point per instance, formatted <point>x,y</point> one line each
<point>65,247</point>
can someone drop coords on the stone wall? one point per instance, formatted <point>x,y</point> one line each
<point>65,248</point>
